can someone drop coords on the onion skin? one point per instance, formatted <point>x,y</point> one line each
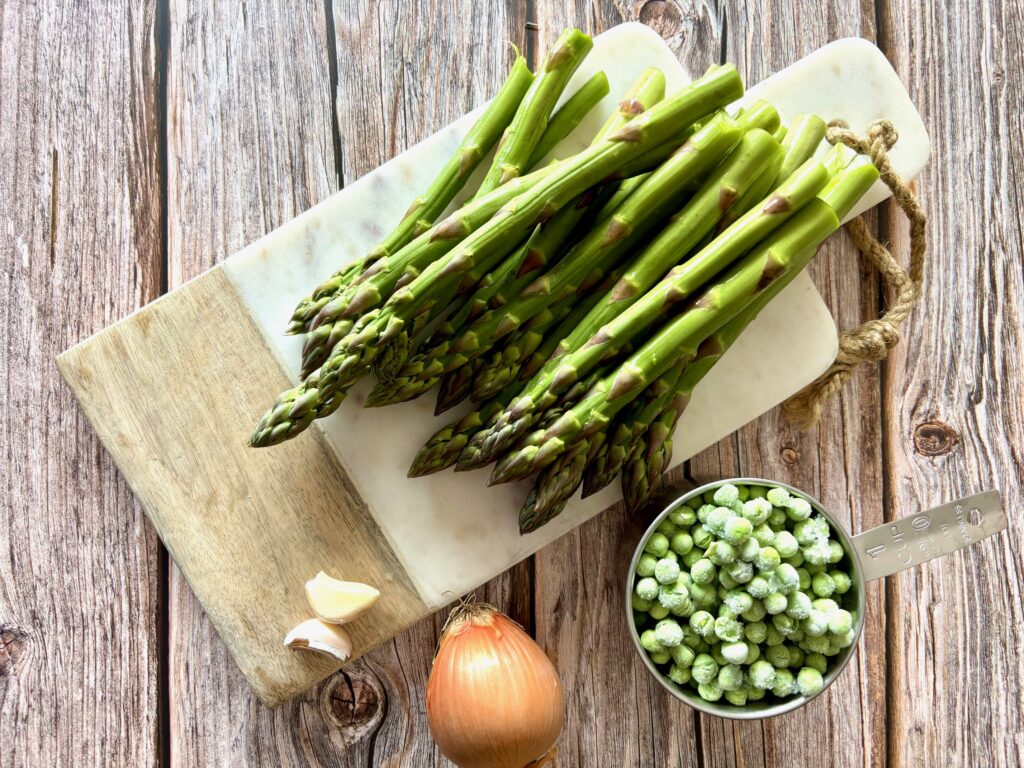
<point>494,699</point>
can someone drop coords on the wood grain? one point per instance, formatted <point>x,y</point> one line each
<point>80,245</point>
<point>953,395</point>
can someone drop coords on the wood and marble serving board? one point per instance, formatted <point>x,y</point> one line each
<point>174,390</point>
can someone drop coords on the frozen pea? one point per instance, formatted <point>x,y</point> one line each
<point>675,598</point>
<point>704,512</point>
<point>758,587</point>
<point>721,553</point>
<point>730,677</point>
<point>777,519</point>
<point>723,609</point>
<point>754,694</point>
<point>764,534</point>
<point>718,518</point>
<point>816,661</point>
<point>841,582</point>
<point>702,537</point>
<point>748,549</point>
<point>683,516</point>
<point>755,612</point>
<point>666,571</point>
<point>658,611</point>
<point>681,543</point>
<point>816,644</point>
<point>756,510</point>
<point>726,494</point>
<point>647,588</point>
<point>762,674</point>
<point>703,595</point>
<point>756,632</point>
<point>740,572</point>
<point>704,668</point>
<point>840,622</point>
<point>807,532</point>
<point>737,698</point>
<point>785,544</point>
<point>682,655</point>
<point>703,624</point>
<point>775,603</point>
<point>668,633</point>
<point>703,571</point>
<point>785,683</point>
<point>710,691</point>
<point>798,605</point>
<point>661,657</point>
<point>716,654</point>
<point>816,554</point>
<point>777,656</point>
<point>726,580</point>
<point>798,509</point>
<point>738,601</point>
<point>671,555</point>
<point>795,560</point>
<point>736,652</point>
<point>742,492</point>
<point>785,624</point>
<point>773,637</point>
<point>809,681</point>
<point>798,634</point>
<point>645,565</point>
<point>844,640</point>
<point>679,675</point>
<point>796,657</point>
<point>779,497</point>
<point>737,530</point>
<point>709,496</point>
<point>757,491</point>
<point>822,585</point>
<point>692,557</point>
<point>657,544</point>
<point>805,579</point>
<point>639,604</point>
<point>684,579</point>
<point>767,559</point>
<point>835,552</point>
<point>785,579</point>
<point>728,629</point>
<point>825,605</point>
<point>816,623</point>
<point>667,527</point>
<point>649,641</point>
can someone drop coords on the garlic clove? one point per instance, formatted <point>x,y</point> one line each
<point>338,601</point>
<point>316,635</point>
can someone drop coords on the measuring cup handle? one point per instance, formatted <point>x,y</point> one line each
<point>892,547</point>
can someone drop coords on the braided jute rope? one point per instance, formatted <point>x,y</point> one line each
<point>871,341</point>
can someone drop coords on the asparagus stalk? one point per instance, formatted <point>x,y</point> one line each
<point>802,139</point>
<point>427,207</point>
<point>780,257</point>
<point>556,485</point>
<point>567,117</point>
<point>646,91</point>
<point>527,127</point>
<point>680,283</point>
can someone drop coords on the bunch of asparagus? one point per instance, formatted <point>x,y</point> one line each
<point>577,302</point>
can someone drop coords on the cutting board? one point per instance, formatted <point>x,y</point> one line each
<point>174,390</point>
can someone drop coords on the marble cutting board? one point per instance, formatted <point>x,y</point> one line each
<point>174,389</point>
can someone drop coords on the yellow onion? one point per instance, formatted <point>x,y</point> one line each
<point>494,699</point>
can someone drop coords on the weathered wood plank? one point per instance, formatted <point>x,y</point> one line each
<point>954,396</point>
<point>81,246</point>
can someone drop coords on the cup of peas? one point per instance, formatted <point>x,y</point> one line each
<point>745,597</point>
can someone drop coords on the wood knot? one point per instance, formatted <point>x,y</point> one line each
<point>790,456</point>
<point>935,438</point>
<point>14,645</point>
<point>661,16</point>
<point>354,701</point>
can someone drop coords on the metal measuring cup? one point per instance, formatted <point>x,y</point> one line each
<point>874,554</point>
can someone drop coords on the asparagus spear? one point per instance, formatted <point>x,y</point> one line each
<point>780,257</point>
<point>567,117</point>
<point>680,283</point>
<point>427,207</point>
<point>802,139</point>
<point>527,126</point>
<point>556,484</point>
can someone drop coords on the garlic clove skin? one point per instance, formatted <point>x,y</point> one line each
<point>336,601</point>
<point>319,636</point>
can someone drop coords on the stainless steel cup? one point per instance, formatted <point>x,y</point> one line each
<point>876,553</point>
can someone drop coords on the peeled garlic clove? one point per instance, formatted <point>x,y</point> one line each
<point>316,635</point>
<point>338,601</point>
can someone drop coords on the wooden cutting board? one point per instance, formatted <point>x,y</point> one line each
<point>174,390</point>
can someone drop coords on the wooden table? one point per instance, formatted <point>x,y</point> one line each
<point>143,140</point>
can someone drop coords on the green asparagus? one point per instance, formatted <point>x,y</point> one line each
<point>567,117</point>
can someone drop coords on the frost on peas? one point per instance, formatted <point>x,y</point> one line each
<point>775,603</point>
<point>816,661</point>
<point>798,605</point>
<point>726,494</point>
<point>645,565</point>
<point>761,674</point>
<point>816,556</point>
<point>658,611</point>
<point>676,600</point>
<point>764,535</point>
<point>767,559</point>
<point>704,668</point>
<point>816,623</point>
<point>785,683</point>
<point>779,497</point>
<point>683,516</point>
<point>682,655</point>
<point>649,642</point>
<point>756,510</point>
<point>809,681</point>
<point>756,632</point>
<point>703,624</point>
<point>816,644</point>
<point>785,579</point>
<point>738,601</point>
<point>692,557</point>
<point>647,588</point>
<point>777,656</point>
<point>681,543</point>
<point>730,677</point>
<point>798,509</point>
<point>758,587</point>
<point>661,657</point>
<point>710,691</point>
<point>721,553</point>
<point>728,629</point>
<point>841,581</point>
<point>740,572</point>
<point>785,544</point>
<point>822,585</point>
<point>718,518</point>
<point>703,571</point>
<point>704,512</point>
<point>737,530</point>
<point>639,604</point>
<point>657,544</point>
<point>668,633</point>
<point>737,698</point>
<point>736,652</point>
<point>666,527</point>
<point>755,612</point>
<point>666,571</point>
<point>702,537</point>
<point>679,675</point>
<point>840,622</point>
<point>748,549</point>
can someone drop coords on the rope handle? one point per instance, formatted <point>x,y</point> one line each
<point>871,341</point>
